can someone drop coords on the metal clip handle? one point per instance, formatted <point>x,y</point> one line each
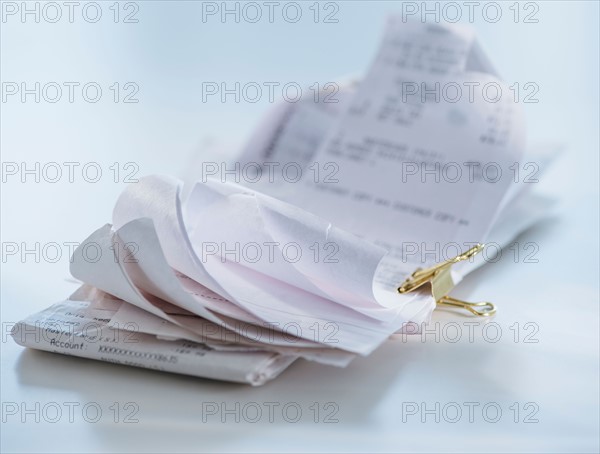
<point>422,276</point>
<point>441,283</point>
<point>481,309</point>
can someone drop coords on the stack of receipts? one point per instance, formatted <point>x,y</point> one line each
<point>242,275</point>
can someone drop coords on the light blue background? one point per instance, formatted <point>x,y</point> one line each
<point>169,53</point>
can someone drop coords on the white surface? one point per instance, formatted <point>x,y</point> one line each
<point>168,54</point>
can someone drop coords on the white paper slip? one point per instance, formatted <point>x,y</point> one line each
<point>80,328</point>
<point>396,129</point>
<point>386,135</point>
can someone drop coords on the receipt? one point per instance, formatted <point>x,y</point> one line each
<point>273,291</point>
<point>408,161</point>
<point>386,133</point>
<point>82,328</point>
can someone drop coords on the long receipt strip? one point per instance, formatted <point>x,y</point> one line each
<point>81,327</point>
<point>167,291</point>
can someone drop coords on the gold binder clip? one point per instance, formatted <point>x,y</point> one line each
<point>440,279</point>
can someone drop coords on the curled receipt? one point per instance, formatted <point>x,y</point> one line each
<point>81,328</point>
<point>246,263</point>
